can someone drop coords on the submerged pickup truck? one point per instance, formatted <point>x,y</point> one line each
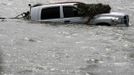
<point>67,12</point>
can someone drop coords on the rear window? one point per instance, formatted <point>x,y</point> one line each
<point>50,13</point>
<point>70,11</point>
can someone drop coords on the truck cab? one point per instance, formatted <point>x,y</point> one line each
<point>64,12</point>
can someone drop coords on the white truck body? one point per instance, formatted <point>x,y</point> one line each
<point>68,13</point>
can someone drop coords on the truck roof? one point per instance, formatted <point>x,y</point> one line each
<point>67,2</point>
<point>59,4</point>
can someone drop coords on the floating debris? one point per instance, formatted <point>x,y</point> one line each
<point>92,10</point>
<point>29,39</point>
<point>92,60</point>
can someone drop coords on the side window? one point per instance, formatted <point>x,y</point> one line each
<point>50,13</point>
<point>70,11</point>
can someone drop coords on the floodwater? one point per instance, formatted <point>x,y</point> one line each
<point>28,48</point>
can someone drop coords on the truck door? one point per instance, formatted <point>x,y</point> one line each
<point>71,15</point>
<point>51,14</point>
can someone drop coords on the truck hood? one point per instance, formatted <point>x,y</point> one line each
<point>114,14</point>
